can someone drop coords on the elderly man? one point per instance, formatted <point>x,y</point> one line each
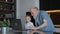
<point>42,19</point>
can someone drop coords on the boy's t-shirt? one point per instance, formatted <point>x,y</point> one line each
<point>27,25</point>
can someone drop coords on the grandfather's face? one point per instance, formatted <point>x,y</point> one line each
<point>33,11</point>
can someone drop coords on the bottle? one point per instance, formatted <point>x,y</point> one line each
<point>4,19</point>
<point>8,22</point>
<point>1,7</point>
<point>6,0</point>
<point>1,15</point>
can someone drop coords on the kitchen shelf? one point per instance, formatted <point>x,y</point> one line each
<point>7,17</point>
<point>57,26</point>
<point>9,3</point>
<point>55,16</point>
<point>1,1</point>
<point>53,11</point>
<point>7,10</point>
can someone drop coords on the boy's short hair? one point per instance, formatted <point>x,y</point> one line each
<point>28,16</point>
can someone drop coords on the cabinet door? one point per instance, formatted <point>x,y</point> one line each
<point>55,16</point>
<point>49,4</point>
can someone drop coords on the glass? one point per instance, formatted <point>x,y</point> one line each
<point>13,7</point>
<point>12,0</point>
<point>6,0</point>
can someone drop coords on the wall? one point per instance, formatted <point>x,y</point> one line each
<point>18,12</point>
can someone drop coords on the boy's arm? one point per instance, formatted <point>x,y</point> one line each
<point>32,28</point>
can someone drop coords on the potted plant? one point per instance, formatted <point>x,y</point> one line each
<point>4,24</point>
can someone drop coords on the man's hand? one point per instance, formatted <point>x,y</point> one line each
<point>33,28</point>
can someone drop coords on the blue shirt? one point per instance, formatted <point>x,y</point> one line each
<point>41,16</point>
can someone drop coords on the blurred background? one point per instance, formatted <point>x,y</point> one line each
<point>15,11</point>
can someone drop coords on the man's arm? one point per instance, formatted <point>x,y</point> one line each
<point>41,26</point>
<point>44,24</point>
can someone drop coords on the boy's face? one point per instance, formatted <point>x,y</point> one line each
<point>28,19</point>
